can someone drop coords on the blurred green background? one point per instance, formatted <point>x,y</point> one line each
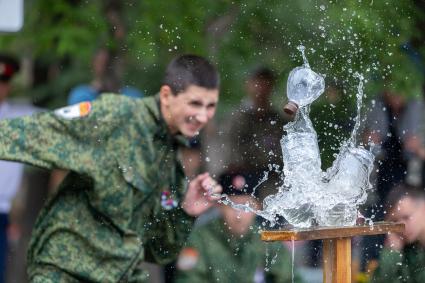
<point>381,39</point>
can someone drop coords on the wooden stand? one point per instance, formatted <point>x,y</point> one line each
<point>336,244</point>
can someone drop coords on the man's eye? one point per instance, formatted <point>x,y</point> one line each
<point>195,103</point>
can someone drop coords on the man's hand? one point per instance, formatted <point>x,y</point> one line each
<point>202,193</point>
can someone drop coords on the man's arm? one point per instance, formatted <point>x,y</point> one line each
<point>66,138</point>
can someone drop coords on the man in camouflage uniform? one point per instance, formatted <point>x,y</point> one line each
<point>229,249</point>
<point>125,198</point>
<point>403,258</point>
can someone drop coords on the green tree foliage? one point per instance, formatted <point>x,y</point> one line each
<point>341,37</point>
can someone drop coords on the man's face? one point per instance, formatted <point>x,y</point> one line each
<point>410,212</point>
<point>189,111</point>
<point>259,90</point>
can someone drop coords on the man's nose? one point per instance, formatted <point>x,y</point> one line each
<point>202,116</point>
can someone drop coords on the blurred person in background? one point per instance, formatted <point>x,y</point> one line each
<point>386,129</point>
<point>10,172</point>
<point>415,142</point>
<point>228,248</point>
<point>253,133</point>
<point>403,256</point>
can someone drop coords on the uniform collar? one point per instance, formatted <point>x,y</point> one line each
<point>162,132</point>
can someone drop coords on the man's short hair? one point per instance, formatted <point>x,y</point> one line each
<point>189,70</point>
<point>401,191</point>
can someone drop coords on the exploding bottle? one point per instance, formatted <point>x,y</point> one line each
<point>310,196</point>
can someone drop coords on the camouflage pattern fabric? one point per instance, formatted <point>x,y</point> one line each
<point>212,254</point>
<point>107,215</point>
<point>396,267</point>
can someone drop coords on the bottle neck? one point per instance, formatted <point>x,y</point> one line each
<point>302,122</point>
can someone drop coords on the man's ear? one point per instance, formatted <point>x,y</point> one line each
<point>164,95</point>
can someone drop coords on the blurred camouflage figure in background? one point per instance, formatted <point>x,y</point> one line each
<point>229,249</point>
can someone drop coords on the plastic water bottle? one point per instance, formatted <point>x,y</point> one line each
<point>301,168</point>
<point>304,86</point>
<point>349,175</point>
<point>347,182</point>
<point>300,154</point>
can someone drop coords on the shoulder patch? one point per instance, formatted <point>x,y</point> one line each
<point>188,258</point>
<point>74,111</point>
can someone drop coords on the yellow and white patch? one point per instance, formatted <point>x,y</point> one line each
<point>188,258</point>
<point>74,111</point>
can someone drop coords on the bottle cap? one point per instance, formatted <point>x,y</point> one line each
<point>290,108</point>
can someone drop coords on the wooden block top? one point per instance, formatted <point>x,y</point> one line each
<point>317,233</point>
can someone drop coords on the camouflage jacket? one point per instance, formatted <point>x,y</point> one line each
<point>212,254</point>
<point>118,205</point>
<point>407,266</point>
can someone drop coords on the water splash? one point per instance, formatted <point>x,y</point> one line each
<point>224,199</point>
<point>263,179</point>
<point>301,48</point>
<point>308,195</point>
<point>359,96</point>
<point>266,265</point>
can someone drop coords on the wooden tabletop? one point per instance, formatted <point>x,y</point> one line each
<point>317,233</point>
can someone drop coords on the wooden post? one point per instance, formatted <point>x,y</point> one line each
<point>336,244</point>
<point>337,260</point>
